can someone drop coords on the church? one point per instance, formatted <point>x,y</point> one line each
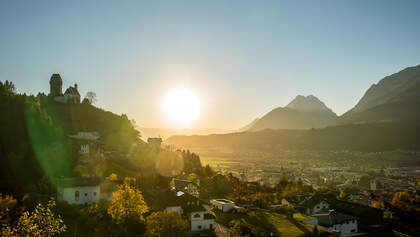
<point>70,95</point>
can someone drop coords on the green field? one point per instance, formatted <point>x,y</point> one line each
<point>265,221</point>
<point>221,162</point>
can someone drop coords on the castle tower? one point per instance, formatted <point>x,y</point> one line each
<point>56,85</point>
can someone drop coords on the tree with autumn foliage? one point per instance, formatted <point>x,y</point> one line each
<point>166,224</point>
<point>128,204</point>
<point>40,222</point>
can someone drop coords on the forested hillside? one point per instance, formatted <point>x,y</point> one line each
<point>35,147</point>
<point>362,137</point>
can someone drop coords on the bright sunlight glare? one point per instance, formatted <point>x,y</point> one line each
<point>182,106</point>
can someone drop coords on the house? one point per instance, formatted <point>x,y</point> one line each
<point>155,142</point>
<point>87,142</point>
<point>186,205</point>
<point>316,204</point>
<point>337,222</point>
<point>223,205</point>
<point>185,186</point>
<point>294,200</point>
<point>78,190</point>
<point>286,202</point>
<point>375,185</point>
<point>199,217</point>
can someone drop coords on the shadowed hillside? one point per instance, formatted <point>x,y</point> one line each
<point>301,113</point>
<point>362,137</point>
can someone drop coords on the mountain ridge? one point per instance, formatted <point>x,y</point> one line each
<point>303,112</point>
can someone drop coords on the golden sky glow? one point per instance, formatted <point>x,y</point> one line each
<point>182,106</point>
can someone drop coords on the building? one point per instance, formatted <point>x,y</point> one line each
<point>185,186</point>
<point>78,190</point>
<point>56,87</point>
<point>223,205</point>
<point>316,204</point>
<point>186,205</point>
<point>87,143</point>
<point>375,185</point>
<point>155,142</point>
<point>337,222</point>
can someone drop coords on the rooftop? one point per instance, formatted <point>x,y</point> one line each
<point>224,201</point>
<point>78,182</point>
<point>333,218</point>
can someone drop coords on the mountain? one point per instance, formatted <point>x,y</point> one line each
<point>358,137</point>
<point>395,98</point>
<point>386,118</point>
<point>248,126</point>
<point>164,133</point>
<point>388,89</point>
<point>301,113</point>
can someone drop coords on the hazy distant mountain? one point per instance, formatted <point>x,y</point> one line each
<point>302,113</point>
<point>248,126</point>
<point>361,137</point>
<point>394,98</point>
<point>167,132</point>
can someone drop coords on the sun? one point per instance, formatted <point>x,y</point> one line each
<point>182,106</point>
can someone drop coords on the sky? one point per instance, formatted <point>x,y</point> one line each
<point>242,58</point>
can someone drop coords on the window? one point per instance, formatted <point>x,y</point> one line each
<point>211,226</point>
<point>353,230</point>
<point>199,227</point>
<point>94,193</point>
<point>85,194</point>
<point>76,195</point>
<point>197,215</point>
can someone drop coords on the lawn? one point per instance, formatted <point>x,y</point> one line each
<point>268,222</point>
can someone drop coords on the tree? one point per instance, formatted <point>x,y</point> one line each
<point>165,224</point>
<point>342,195</point>
<point>7,88</point>
<point>192,177</point>
<point>113,177</point>
<point>91,96</point>
<point>378,205</point>
<point>128,205</point>
<point>8,207</point>
<point>40,222</point>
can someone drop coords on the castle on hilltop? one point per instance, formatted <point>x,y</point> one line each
<point>70,95</point>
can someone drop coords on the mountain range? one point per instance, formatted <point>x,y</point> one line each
<point>386,117</point>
